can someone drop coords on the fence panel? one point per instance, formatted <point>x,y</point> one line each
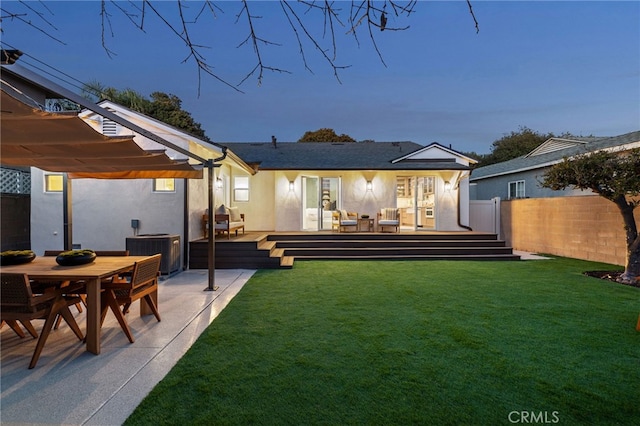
<point>484,215</point>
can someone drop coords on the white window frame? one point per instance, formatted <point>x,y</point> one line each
<point>519,189</point>
<point>241,188</point>
<point>160,185</point>
<point>47,176</point>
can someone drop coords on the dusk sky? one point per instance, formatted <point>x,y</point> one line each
<point>556,67</point>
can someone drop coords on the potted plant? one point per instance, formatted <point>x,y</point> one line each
<point>76,257</point>
<point>16,257</point>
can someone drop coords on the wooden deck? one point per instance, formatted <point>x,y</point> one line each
<point>264,250</point>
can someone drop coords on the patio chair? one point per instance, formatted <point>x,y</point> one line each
<point>342,219</point>
<point>142,285</point>
<point>389,218</point>
<point>13,324</point>
<point>18,303</point>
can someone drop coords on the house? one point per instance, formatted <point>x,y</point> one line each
<point>108,211</point>
<point>520,177</point>
<point>297,185</point>
<point>571,223</point>
<point>88,195</point>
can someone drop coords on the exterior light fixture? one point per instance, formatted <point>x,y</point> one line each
<point>447,185</point>
<point>291,185</point>
<point>369,185</point>
<point>218,183</point>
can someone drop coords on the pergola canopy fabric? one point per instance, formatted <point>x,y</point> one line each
<point>61,142</point>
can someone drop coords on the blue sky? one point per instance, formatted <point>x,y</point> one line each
<point>557,67</point>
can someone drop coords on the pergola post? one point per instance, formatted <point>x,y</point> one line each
<point>211,243</point>
<point>67,213</point>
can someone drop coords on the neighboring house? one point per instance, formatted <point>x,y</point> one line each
<point>104,210</point>
<point>520,177</point>
<point>298,185</point>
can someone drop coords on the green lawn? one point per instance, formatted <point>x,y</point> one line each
<point>405,342</point>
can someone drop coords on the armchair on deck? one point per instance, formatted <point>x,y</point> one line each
<point>228,219</point>
<point>342,219</point>
<point>389,218</point>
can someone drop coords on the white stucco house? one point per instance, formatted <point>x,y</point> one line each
<point>297,185</point>
<point>277,186</point>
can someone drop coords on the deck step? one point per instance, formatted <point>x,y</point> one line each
<point>266,244</point>
<point>493,257</point>
<point>280,250</point>
<point>287,262</point>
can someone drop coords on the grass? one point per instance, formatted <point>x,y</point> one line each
<point>384,343</point>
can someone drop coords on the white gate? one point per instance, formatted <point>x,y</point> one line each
<point>484,215</point>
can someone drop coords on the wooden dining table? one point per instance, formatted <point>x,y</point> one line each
<point>46,269</point>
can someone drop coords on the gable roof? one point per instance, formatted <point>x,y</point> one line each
<point>540,158</point>
<point>341,156</point>
<point>159,127</point>
<point>556,144</point>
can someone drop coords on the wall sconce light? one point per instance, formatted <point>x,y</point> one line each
<point>218,183</point>
<point>369,185</point>
<point>447,185</point>
<point>291,185</point>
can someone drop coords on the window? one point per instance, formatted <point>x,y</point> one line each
<point>241,188</point>
<point>164,185</point>
<point>53,183</point>
<point>516,189</point>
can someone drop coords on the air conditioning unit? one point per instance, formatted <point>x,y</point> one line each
<point>165,244</point>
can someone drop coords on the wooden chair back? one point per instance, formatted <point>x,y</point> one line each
<point>16,295</point>
<point>145,273</point>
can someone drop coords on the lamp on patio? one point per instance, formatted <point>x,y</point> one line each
<point>369,185</point>
<point>291,185</point>
<point>218,183</point>
<point>447,186</point>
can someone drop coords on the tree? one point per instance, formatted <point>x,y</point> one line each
<point>614,176</point>
<point>325,135</point>
<point>313,25</point>
<point>168,109</point>
<point>514,145</point>
<point>163,107</point>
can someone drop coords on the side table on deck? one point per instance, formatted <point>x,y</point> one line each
<point>366,225</point>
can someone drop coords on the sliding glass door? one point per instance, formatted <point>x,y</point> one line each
<point>416,201</point>
<point>320,196</point>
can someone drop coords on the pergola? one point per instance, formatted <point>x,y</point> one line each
<point>64,143</point>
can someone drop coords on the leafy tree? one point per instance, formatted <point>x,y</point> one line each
<point>168,109</point>
<point>614,176</point>
<point>325,135</point>
<point>514,145</point>
<point>163,107</point>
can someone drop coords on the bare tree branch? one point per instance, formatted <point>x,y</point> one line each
<point>473,15</point>
<point>377,15</point>
<point>19,17</point>
<point>255,41</point>
<point>105,17</point>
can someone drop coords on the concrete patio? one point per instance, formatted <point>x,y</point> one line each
<point>70,386</point>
